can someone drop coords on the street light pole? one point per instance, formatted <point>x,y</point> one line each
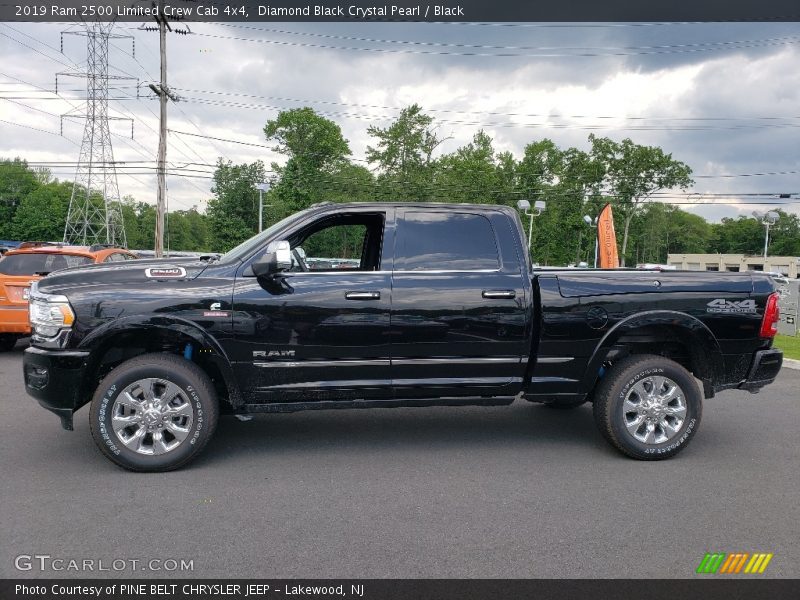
<point>262,187</point>
<point>769,218</point>
<point>530,230</point>
<point>593,223</point>
<point>525,206</point>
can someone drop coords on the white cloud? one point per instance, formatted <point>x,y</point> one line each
<point>749,82</point>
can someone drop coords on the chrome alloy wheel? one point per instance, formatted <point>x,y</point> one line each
<point>654,410</point>
<point>152,416</point>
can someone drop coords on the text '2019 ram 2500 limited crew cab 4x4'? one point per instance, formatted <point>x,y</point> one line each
<point>384,305</point>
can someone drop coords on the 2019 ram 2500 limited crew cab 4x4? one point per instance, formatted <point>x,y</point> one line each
<point>428,304</point>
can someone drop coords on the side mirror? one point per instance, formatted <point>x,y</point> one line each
<point>277,258</point>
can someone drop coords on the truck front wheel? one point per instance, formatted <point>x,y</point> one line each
<point>154,412</point>
<point>648,407</point>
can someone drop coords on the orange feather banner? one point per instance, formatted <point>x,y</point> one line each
<point>607,239</point>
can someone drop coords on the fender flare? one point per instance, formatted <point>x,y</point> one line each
<point>102,337</point>
<point>703,347</point>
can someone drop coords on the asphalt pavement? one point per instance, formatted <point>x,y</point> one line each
<point>509,492</point>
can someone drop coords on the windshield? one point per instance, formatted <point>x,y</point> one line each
<point>39,262</point>
<point>248,246</point>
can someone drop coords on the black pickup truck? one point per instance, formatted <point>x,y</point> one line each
<point>386,305</point>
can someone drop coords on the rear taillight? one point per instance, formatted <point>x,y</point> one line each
<point>769,325</point>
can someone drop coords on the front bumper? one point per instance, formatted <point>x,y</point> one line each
<point>54,378</point>
<point>14,319</point>
<point>764,369</point>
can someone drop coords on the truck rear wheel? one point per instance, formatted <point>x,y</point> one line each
<point>154,412</point>
<point>648,407</point>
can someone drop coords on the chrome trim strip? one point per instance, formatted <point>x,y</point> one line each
<point>335,272</point>
<point>455,361</point>
<point>419,272</point>
<point>378,362</point>
<point>553,360</point>
<point>434,381</point>
<point>445,271</point>
<point>344,384</point>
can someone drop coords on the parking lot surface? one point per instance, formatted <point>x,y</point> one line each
<point>512,492</point>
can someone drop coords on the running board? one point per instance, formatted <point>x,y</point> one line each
<point>284,407</point>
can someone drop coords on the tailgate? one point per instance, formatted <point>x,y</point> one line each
<point>14,290</point>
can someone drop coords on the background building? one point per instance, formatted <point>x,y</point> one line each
<point>787,265</point>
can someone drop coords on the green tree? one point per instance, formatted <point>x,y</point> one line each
<point>41,214</point>
<point>17,180</point>
<point>537,173</point>
<point>688,233</point>
<point>473,173</point>
<point>233,212</point>
<point>633,173</point>
<point>188,230</point>
<point>403,154</point>
<point>784,235</point>
<point>575,193</point>
<point>743,235</point>
<point>316,151</point>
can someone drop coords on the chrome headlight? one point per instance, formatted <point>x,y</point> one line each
<point>49,314</point>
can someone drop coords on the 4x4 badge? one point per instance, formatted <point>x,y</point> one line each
<point>720,305</point>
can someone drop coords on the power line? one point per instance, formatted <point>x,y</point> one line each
<point>702,45</point>
<point>146,72</point>
<point>508,124</point>
<point>677,49</point>
<point>474,112</point>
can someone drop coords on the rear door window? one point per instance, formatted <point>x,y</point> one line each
<point>39,262</point>
<point>445,241</point>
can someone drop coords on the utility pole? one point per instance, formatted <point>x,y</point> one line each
<point>161,197</point>
<point>163,92</point>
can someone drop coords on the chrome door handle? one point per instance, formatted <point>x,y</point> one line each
<point>362,295</point>
<point>492,294</point>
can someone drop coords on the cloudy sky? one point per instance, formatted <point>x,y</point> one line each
<point>724,98</point>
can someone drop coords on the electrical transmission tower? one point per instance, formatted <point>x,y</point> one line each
<point>95,212</point>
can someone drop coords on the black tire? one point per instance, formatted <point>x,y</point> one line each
<point>7,342</point>
<point>611,418</point>
<point>196,391</point>
<point>565,405</point>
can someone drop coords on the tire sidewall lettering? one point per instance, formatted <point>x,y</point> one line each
<point>103,413</point>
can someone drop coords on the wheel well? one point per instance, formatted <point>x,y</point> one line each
<point>124,346</point>
<point>675,343</point>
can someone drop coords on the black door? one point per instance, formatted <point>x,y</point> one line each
<point>458,305</point>
<point>319,331</point>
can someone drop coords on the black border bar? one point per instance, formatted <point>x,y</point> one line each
<point>700,588</point>
<point>409,10</point>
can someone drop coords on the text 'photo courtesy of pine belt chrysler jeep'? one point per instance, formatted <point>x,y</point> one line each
<point>387,305</point>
